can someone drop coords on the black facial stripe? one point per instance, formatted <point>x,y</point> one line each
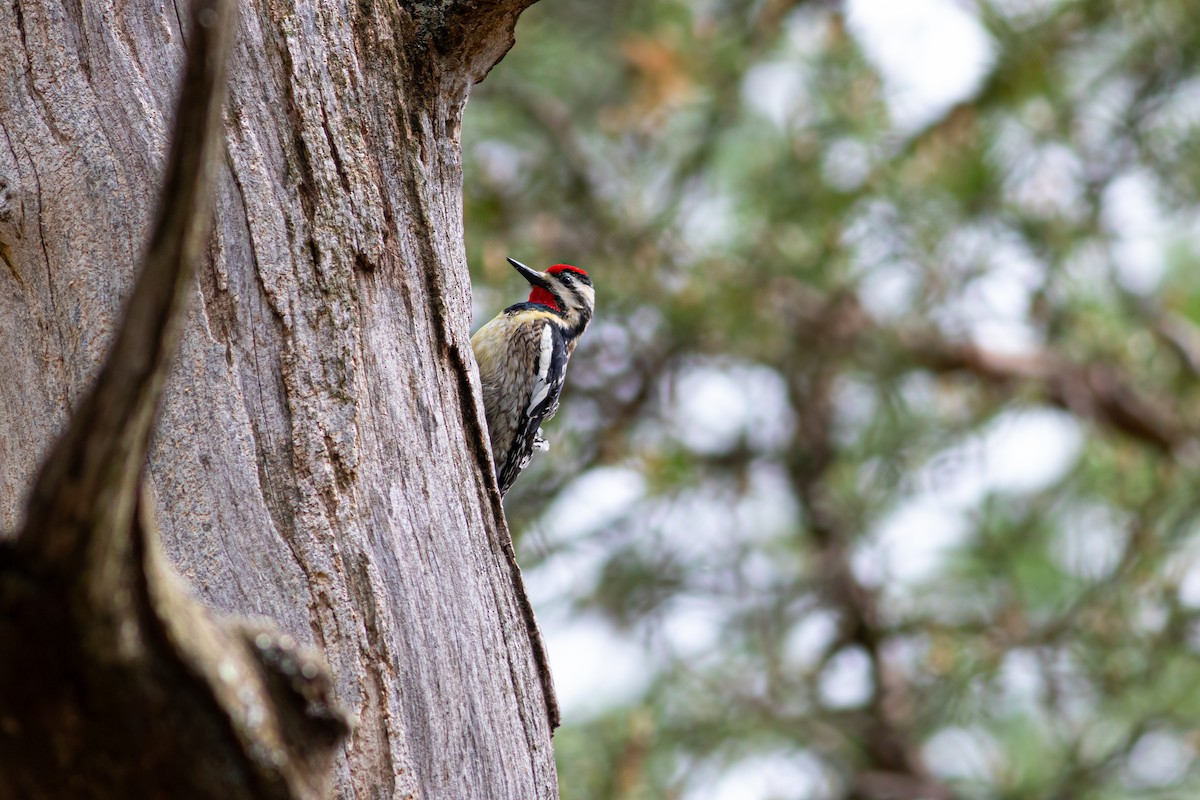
<point>569,276</point>
<point>575,330</point>
<point>564,289</point>
<point>578,296</point>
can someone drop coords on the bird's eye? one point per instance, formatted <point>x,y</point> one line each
<point>566,278</point>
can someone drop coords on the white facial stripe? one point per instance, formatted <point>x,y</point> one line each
<point>575,294</point>
<point>588,294</point>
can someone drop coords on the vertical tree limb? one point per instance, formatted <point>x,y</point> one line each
<point>115,682</point>
<point>315,460</point>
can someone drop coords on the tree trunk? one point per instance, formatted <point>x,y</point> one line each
<point>321,457</point>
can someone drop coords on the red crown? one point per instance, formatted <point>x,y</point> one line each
<point>557,268</point>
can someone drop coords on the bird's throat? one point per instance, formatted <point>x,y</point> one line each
<point>543,297</point>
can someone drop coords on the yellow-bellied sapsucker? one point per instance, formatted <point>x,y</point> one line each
<point>522,355</point>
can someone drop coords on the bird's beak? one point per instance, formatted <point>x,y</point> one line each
<point>534,277</point>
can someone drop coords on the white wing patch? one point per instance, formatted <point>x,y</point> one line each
<point>541,385</point>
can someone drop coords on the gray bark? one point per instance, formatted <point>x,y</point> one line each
<point>321,457</point>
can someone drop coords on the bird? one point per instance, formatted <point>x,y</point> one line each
<point>522,355</point>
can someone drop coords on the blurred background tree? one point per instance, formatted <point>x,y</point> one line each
<point>876,476</point>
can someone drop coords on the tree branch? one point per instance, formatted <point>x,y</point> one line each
<point>1099,392</point>
<point>1096,392</point>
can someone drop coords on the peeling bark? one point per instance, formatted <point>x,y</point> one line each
<point>320,457</point>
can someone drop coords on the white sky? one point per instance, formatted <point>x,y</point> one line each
<point>931,53</point>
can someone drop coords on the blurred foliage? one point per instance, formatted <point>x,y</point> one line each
<point>822,332</point>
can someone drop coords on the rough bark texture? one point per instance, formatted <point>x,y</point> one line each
<point>320,458</point>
